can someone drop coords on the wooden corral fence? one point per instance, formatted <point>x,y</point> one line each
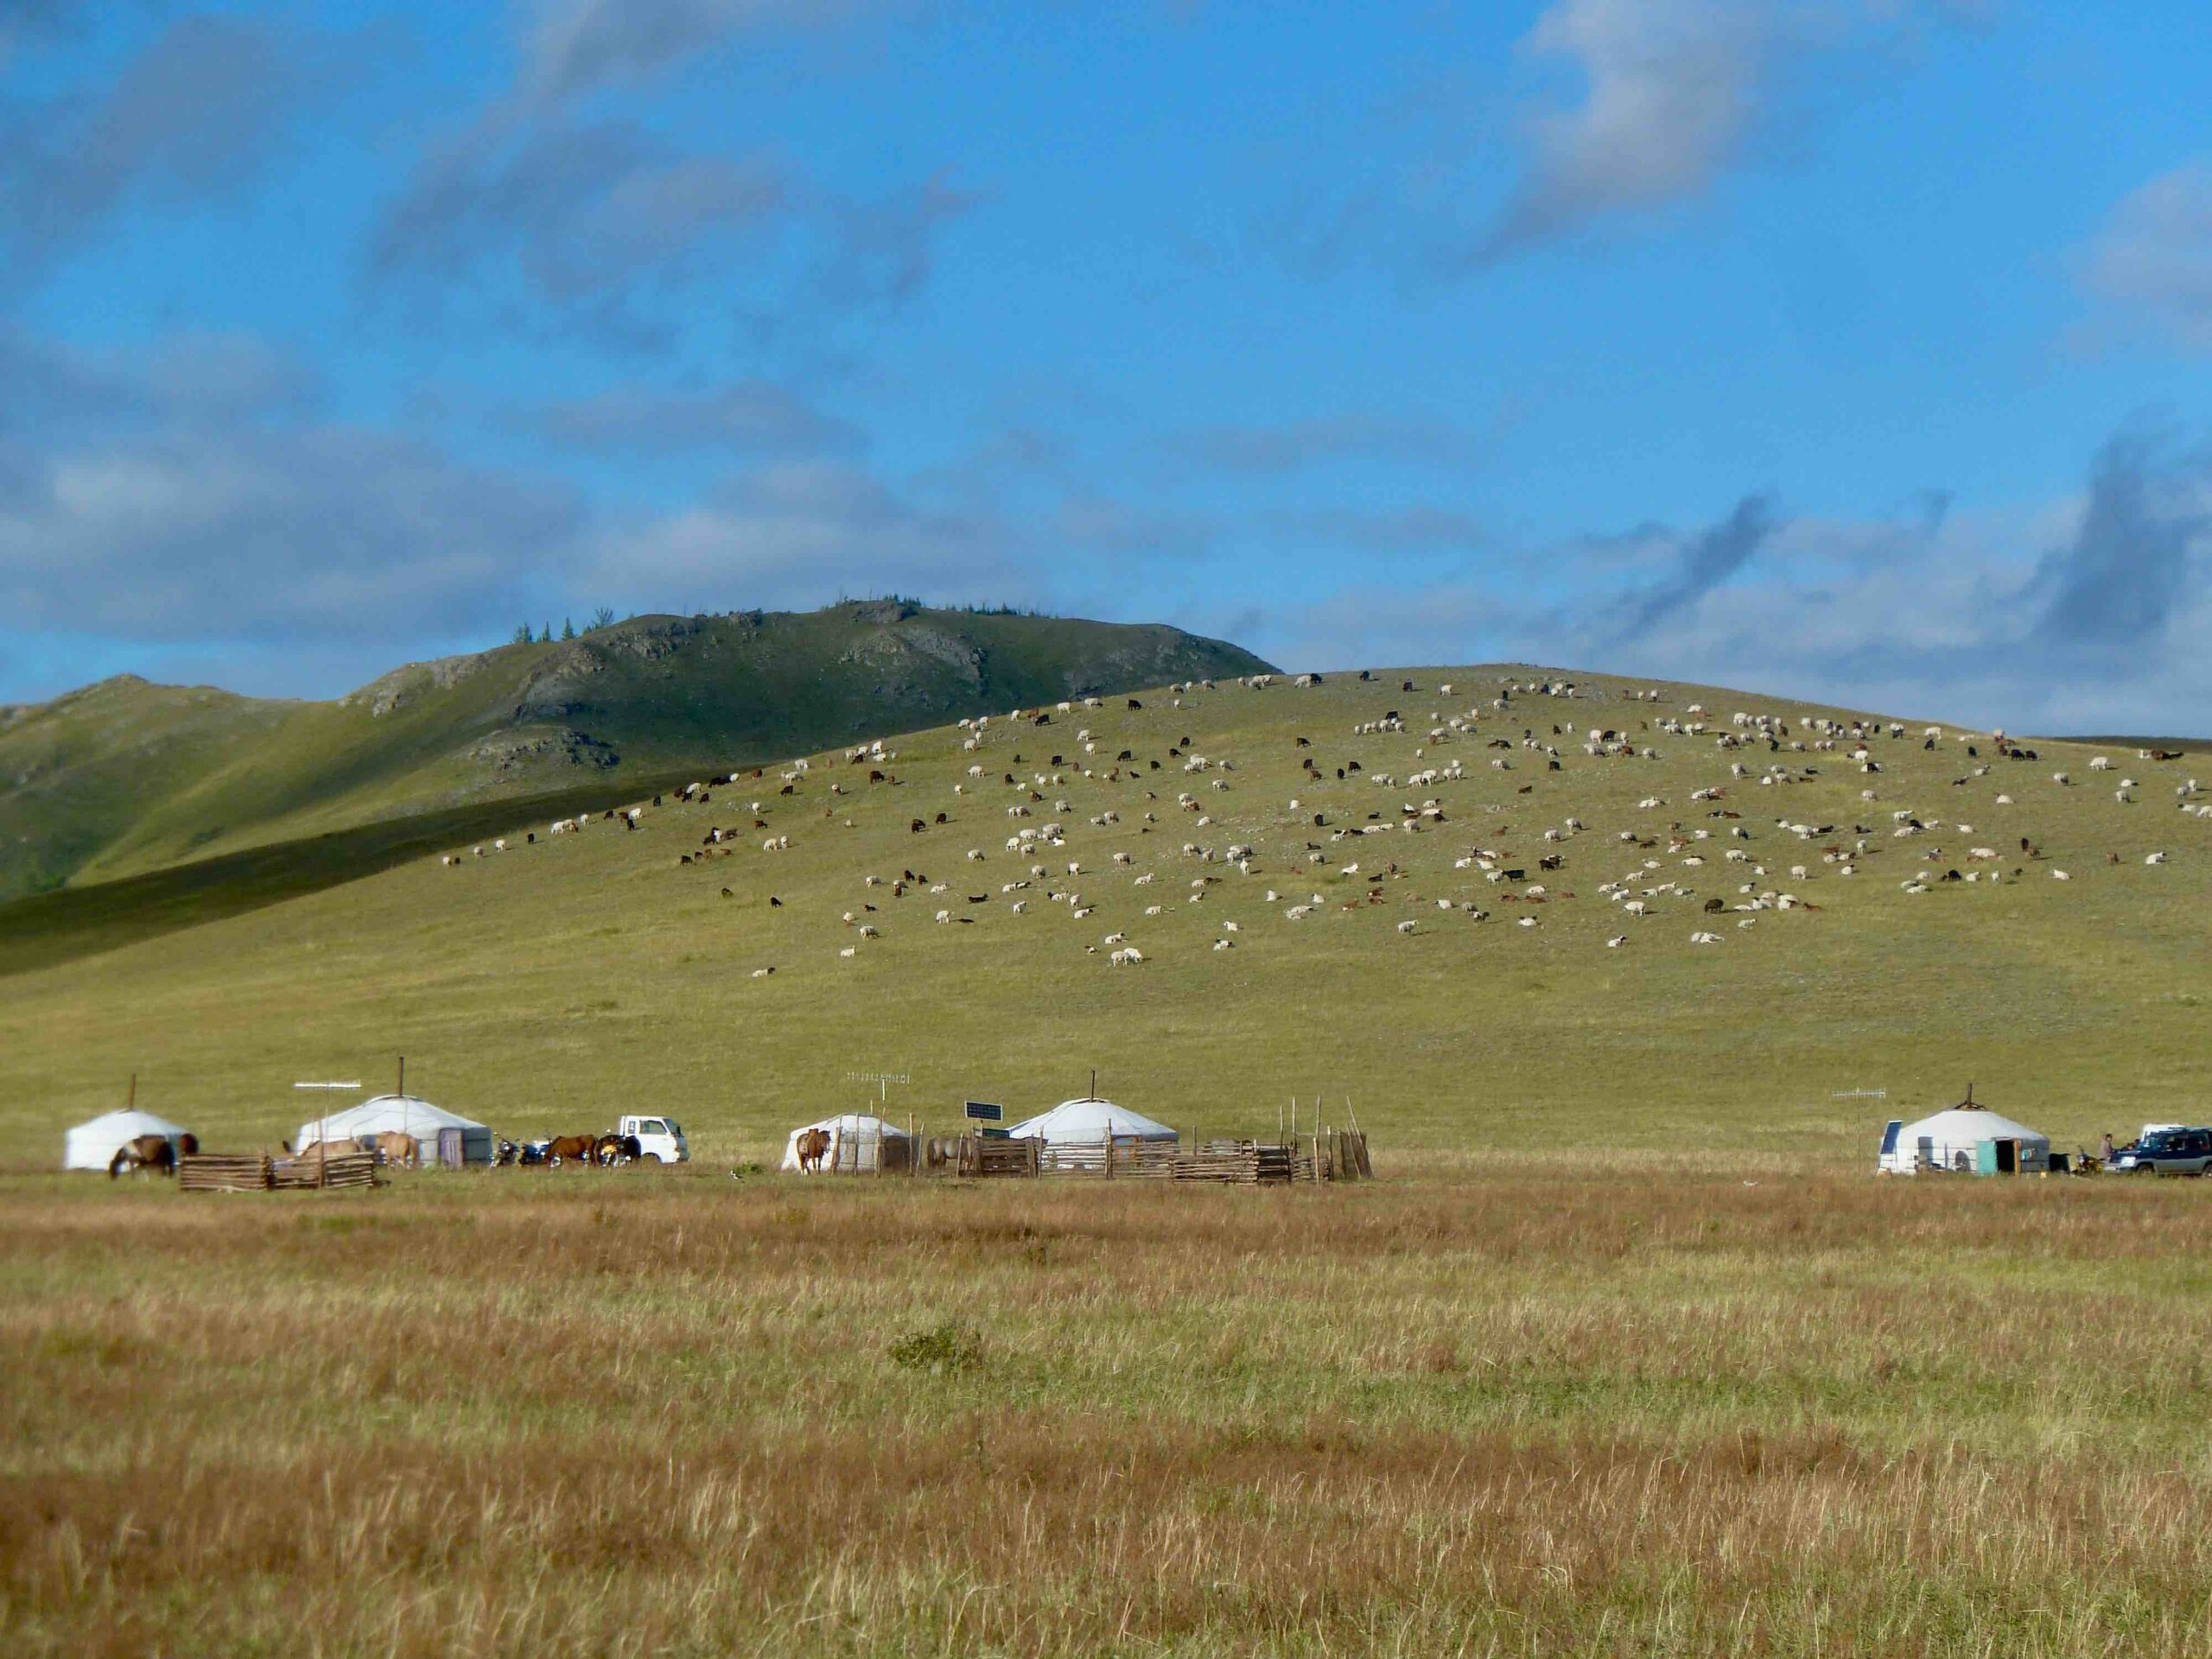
<point>1125,1157</point>
<point>1316,1155</point>
<point>1331,1155</point>
<point>260,1173</point>
<point>983,1157</point>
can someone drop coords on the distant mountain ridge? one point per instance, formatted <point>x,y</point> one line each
<point>125,776</point>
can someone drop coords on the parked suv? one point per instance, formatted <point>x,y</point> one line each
<point>2167,1151</point>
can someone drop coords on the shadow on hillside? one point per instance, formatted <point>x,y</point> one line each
<point>52,928</point>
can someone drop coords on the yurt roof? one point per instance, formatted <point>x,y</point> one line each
<point>1965,1125</point>
<point>1089,1119</point>
<point>126,1122</point>
<point>409,1113</point>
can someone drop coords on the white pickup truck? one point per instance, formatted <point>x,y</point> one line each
<point>660,1138</point>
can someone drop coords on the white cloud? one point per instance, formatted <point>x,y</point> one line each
<point>1669,95</point>
<point>202,532</point>
<point>1669,88</point>
<point>799,533</point>
<point>2153,256</point>
<point>1931,613</point>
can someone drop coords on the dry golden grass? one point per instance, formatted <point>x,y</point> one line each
<point>1535,1412</point>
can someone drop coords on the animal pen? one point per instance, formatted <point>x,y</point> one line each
<point>1314,1156</point>
<point>260,1173</point>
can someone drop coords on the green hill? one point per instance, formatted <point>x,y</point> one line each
<point>540,987</point>
<point>124,777</point>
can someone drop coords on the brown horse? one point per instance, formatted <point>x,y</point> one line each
<point>401,1151</point>
<point>569,1149</point>
<point>151,1152</point>
<point>813,1144</point>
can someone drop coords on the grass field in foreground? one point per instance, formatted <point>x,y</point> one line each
<point>548,988</point>
<point>1534,1412</point>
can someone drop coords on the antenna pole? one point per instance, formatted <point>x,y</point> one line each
<point>132,1100</point>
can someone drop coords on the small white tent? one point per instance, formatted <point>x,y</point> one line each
<point>1955,1140</point>
<point>406,1114</point>
<point>93,1145</point>
<point>1089,1123</point>
<point>855,1143</point>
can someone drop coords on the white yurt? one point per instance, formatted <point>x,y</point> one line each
<point>93,1145</point>
<point>1966,1139</point>
<point>1089,1121</point>
<point>857,1143</point>
<point>405,1114</point>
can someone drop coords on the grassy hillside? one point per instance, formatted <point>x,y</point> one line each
<point>543,988</point>
<point>75,772</point>
<point>124,777</point>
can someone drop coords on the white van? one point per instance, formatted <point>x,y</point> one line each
<point>659,1138</point>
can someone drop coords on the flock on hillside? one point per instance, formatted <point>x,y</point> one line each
<point>1707,863</point>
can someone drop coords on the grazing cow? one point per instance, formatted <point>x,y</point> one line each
<point>151,1152</point>
<point>569,1149</point>
<point>812,1147</point>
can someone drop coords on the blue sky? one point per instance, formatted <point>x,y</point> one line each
<point>1851,348</point>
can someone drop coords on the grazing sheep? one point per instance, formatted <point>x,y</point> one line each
<point>1405,927</point>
